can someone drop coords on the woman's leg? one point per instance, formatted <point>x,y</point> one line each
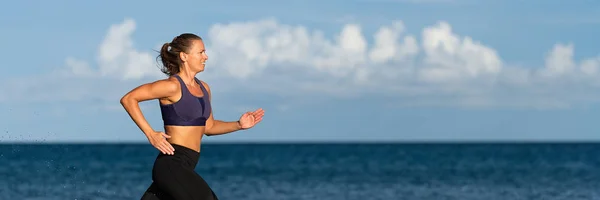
<point>174,177</point>
<point>180,182</point>
<point>154,193</point>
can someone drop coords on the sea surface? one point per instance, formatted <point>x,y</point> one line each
<point>312,171</point>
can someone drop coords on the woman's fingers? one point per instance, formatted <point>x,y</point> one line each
<point>169,147</point>
<point>166,147</point>
<point>160,147</point>
<point>163,148</point>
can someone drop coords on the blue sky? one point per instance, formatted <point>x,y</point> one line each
<point>368,70</point>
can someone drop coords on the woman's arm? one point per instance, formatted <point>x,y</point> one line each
<point>156,90</point>
<point>218,127</point>
<point>149,91</point>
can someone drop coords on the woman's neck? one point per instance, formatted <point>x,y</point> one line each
<point>188,77</point>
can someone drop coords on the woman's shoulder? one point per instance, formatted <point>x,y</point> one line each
<point>166,84</point>
<point>204,84</point>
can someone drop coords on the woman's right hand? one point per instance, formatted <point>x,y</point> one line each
<point>159,141</point>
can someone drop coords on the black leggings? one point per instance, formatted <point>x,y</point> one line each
<point>174,177</point>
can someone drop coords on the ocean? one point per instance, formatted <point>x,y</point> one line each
<point>336,171</point>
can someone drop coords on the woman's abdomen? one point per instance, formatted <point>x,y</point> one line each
<point>187,136</point>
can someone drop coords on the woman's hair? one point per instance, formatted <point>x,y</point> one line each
<point>169,52</point>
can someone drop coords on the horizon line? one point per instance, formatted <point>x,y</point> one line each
<point>267,142</point>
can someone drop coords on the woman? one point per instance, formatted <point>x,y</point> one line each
<point>187,115</point>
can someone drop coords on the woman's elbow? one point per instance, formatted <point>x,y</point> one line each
<point>126,99</point>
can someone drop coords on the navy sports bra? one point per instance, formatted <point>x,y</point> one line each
<point>189,110</point>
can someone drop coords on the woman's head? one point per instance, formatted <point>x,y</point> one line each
<point>186,51</point>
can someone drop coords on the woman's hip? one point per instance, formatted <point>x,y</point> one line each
<point>183,156</point>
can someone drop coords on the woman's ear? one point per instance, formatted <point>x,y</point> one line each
<point>183,56</point>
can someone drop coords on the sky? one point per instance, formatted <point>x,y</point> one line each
<point>329,71</point>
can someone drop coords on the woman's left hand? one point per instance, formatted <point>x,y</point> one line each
<point>249,119</point>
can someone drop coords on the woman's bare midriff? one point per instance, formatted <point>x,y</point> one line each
<point>187,136</point>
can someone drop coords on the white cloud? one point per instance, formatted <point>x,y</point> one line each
<point>451,58</point>
<point>270,57</point>
<point>387,46</point>
<point>443,64</point>
<point>447,57</point>
<point>243,50</point>
<point>344,64</point>
<point>117,56</point>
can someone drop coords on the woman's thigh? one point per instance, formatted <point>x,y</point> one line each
<point>180,182</point>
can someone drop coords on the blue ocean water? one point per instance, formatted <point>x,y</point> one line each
<point>312,171</point>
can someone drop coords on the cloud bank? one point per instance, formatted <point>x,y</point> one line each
<point>442,68</point>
